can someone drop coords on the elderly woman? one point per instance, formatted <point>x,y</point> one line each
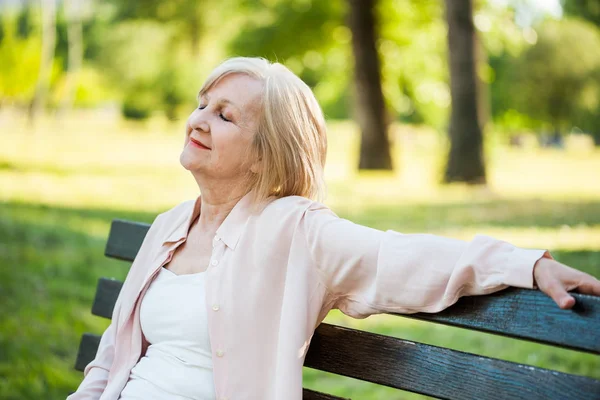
<point>226,291</point>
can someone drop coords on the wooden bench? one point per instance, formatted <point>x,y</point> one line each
<point>430,370</point>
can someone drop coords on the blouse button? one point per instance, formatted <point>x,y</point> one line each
<point>214,262</point>
<point>215,307</point>
<point>220,353</point>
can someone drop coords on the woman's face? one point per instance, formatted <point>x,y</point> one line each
<point>220,131</point>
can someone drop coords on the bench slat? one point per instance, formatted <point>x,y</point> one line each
<point>420,368</point>
<point>125,239</point>
<point>525,314</point>
<point>88,347</point>
<point>107,292</point>
<point>436,371</point>
<point>308,394</point>
<point>529,315</point>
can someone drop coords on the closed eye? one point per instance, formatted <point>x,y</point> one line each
<point>223,117</point>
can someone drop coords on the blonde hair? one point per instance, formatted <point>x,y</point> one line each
<point>291,139</point>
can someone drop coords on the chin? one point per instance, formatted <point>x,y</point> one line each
<point>185,161</point>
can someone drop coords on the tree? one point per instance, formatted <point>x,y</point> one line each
<point>465,161</point>
<point>47,59</point>
<point>188,16</point>
<point>556,82</point>
<point>179,27</point>
<point>370,107</point>
<point>75,52</point>
<point>24,21</point>
<point>586,9</point>
<point>309,37</point>
<point>300,36</point>
<point>19,59</point>
<point>414,74</point>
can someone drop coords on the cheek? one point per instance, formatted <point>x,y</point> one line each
<point>188,131</point>
<point>186,139</point>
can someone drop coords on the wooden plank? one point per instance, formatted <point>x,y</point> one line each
<point>529,315</point>
<point>308,394</point>
<point>88,347</point>
<point>524,314</point>
<point>107,292</point>
<point>125,239</point>
<point>436,371</point>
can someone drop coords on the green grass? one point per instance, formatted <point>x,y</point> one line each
<point>61,185</point>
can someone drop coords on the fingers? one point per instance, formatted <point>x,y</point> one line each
<point>556,291</point>
<point>589,285</point>
<point>566,302</point>
<point>555,279</point>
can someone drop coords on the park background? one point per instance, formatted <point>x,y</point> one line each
<point>93,101</point>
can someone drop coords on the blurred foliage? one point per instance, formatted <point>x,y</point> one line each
<point>414,68</point>
<point>554,92</point>
<point>586,9</point>
<point>319,52</point>
<point>19,65</point>
<point>159,51</point>
<point>24,23</point>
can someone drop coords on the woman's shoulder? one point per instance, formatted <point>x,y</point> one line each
<point>174,216</point>
<point>185,209</point>
<point>291,206</point>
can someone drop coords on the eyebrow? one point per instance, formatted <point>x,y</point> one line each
<point>221,101</point>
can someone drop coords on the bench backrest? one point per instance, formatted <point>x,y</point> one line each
<point>416,367</point>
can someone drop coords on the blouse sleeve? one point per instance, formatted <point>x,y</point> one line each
<point>368,271</point>
<point>97,371</point>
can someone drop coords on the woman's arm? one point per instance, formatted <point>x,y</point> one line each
<point>97,371</point>
<point>369,271</point>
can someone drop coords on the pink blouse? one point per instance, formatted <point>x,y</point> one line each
<point>275,273</point>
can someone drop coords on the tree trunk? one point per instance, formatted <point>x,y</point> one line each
<point>74,37</point>
<point>38,103</point>
<point>484,107</point>
<point>370,107</point>
<point>194,26</point>
<point>465,160</point>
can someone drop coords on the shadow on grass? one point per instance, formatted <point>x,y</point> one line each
<point>403,217</point>
<point>498,213</point>
<point>17,210</point>
<point>82,170</point>
<point>52,258</point>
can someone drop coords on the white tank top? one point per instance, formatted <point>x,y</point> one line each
<point>178,362</point>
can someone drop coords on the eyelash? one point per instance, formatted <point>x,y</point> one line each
<point>220,114</point>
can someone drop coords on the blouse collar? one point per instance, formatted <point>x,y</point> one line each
<point>230,230</point>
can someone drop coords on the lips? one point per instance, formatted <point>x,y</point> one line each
<point>198,144</point>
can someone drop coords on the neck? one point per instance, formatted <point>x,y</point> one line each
<point>218,199</point>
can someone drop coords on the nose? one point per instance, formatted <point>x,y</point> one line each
<point>197,121</point>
